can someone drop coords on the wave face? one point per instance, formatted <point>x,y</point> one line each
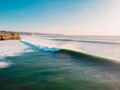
<point>106,50</point>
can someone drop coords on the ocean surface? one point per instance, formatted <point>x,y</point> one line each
<point>59,62</point>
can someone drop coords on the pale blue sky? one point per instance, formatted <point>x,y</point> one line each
<point>82,17</point>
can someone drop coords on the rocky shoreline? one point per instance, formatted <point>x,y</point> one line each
<point>5,35</point>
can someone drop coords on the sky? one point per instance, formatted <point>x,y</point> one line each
<point>74,17</point>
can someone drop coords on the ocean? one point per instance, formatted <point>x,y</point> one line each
<point>60,62</point>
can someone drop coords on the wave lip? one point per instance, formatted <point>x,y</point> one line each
<point>4,64</point>
<point>44,45</point>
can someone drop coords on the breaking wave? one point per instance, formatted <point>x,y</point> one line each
<point>44,45</point>
<point>87,49</point>
<point>48,45</point>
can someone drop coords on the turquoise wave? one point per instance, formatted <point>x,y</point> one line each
<point>78,54</point>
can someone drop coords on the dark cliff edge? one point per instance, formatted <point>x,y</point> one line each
<point>6,35</point>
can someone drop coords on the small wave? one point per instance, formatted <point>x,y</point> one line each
<point>90,41</point>
<point>4,64</point>
<point>101,42</point>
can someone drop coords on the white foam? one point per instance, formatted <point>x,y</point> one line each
<point>12,48</point>
<point>45,45</point>
<point>4,64</point>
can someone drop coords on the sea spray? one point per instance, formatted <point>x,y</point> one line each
<point>49,45</point>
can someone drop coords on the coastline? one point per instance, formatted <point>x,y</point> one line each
<point>6,35</point>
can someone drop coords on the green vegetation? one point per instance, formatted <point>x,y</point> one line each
<point>6,35</point>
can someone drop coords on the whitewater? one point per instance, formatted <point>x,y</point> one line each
<point>10,49</point>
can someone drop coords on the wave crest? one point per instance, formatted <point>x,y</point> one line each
<point>44,45</point>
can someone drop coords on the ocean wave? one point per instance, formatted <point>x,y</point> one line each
<point>44,45</point>
<point>110,51</point>
<point>48,45</point>
<point>89,41</point>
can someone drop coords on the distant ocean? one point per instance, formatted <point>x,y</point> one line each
<point>48,62</point>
